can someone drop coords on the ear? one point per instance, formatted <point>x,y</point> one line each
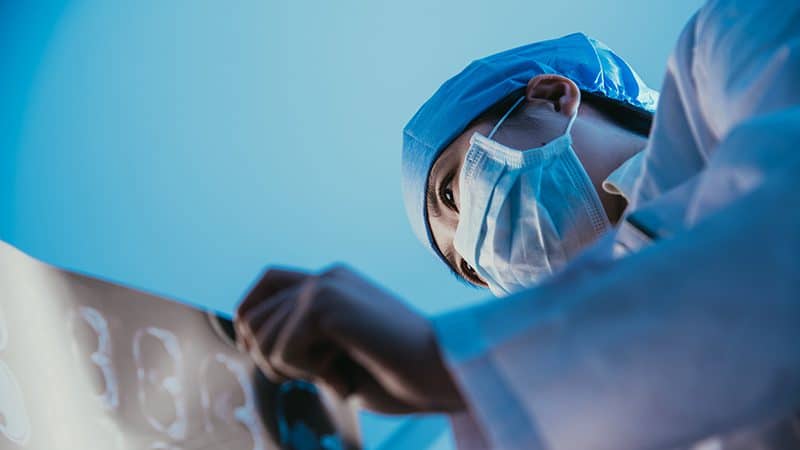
<point>557,90</point>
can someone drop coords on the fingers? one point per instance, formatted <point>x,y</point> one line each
<point>270,283</point>
<point>348,379</point>
<point>248,323</point>
<point>282,337</point>
<point>262,337</point>
<point>281,324</point>
<point>341,272</point>
<point>335,371</point>
<point>328,328</point>
<point>305,350</point>
<point>257,304</point>
<point>299,349</point>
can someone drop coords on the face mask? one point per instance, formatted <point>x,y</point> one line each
<point>524,214</point>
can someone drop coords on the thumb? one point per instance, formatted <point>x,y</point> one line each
<point>350,380</point>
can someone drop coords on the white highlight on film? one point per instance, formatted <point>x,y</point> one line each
<point>102,356</point>
<point>244,414</point>
<point>16,424</point>
<point>170,383</point>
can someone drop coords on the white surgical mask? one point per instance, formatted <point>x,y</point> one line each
<point>524,214</point>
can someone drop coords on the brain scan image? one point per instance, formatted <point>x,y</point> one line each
<point>159,375</point>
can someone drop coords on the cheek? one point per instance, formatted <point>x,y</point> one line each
<point>443,229</point>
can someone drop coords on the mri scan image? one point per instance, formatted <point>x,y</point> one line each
<point>93,365</point>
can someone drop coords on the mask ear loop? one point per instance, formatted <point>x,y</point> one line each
<point>505,116</point>
<point>571,122</point>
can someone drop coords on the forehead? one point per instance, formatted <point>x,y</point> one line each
<point>448,156</point>
<point>456,150</point>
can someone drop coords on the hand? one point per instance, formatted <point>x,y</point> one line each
<point>343,331</point>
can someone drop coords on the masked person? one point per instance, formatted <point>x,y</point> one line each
<point>503,166</point>
<point>649,293</point>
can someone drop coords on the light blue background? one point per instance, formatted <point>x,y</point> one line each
<point>181,146</point>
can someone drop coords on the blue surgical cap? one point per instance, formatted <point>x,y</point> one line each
<point>589,63</point>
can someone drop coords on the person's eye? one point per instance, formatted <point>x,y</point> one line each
<point>470,273</point>
<point>446,193</point>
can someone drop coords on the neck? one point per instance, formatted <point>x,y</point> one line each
<point>603,146</point>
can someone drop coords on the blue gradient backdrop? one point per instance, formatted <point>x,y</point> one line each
<point>181,146</point>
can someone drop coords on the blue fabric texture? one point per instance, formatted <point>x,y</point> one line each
<point>589,63</point>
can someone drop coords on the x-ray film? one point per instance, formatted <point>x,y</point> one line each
<point>90,365</point>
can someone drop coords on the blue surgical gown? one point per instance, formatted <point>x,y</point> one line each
<point>681,328</point>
